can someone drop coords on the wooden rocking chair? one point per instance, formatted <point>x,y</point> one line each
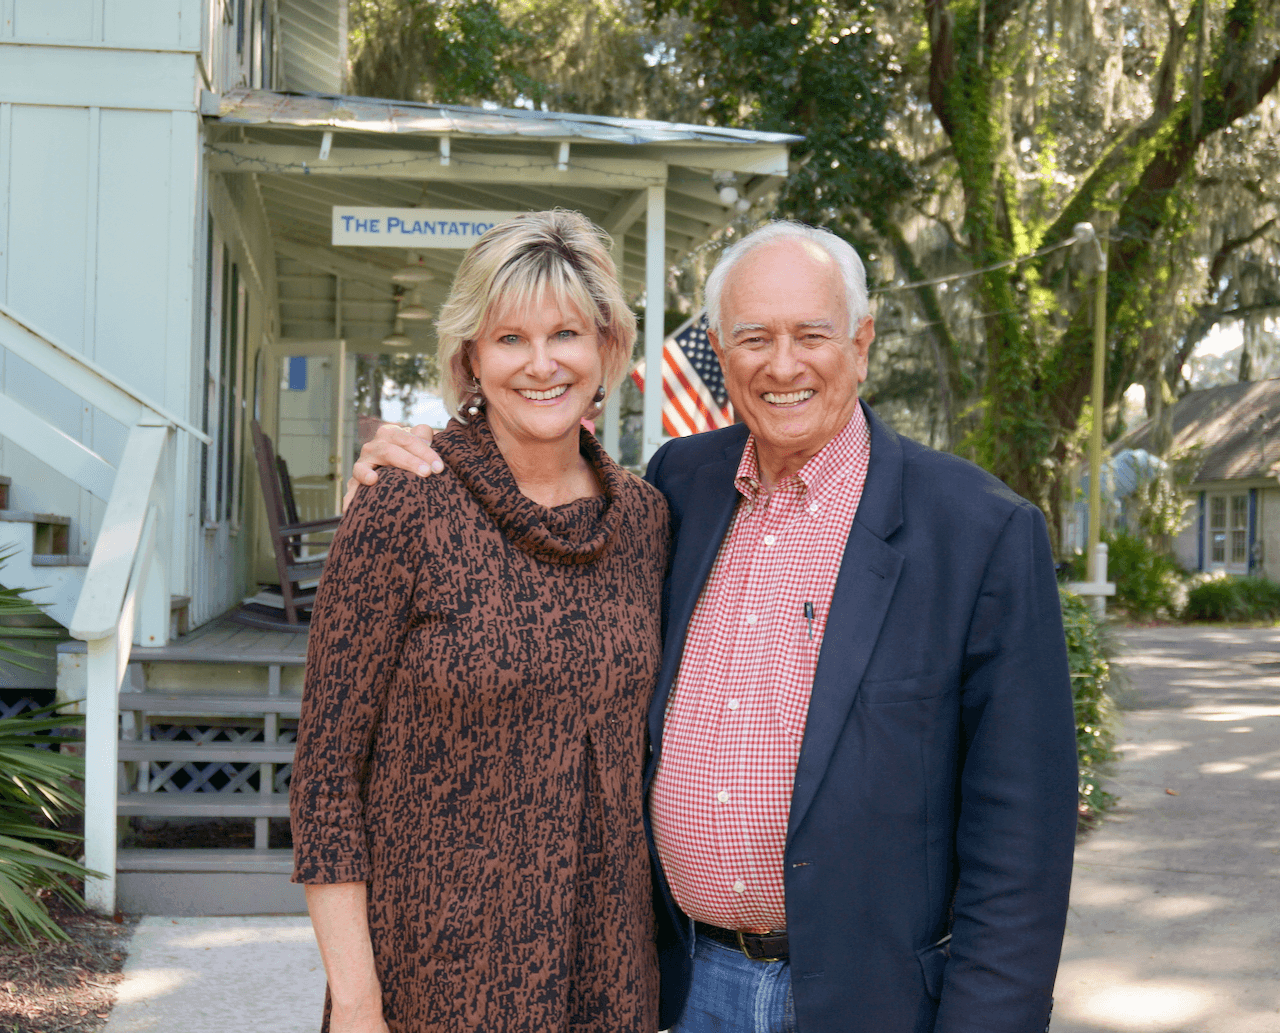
<point>287,531</point>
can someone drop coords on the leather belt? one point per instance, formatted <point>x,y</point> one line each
<point>756,946</point>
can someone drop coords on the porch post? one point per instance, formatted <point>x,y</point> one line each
<point>612,415</point>
<point>655,261</point>
<point>104,670</point>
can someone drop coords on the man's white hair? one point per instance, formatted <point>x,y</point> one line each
<point>841,252</point>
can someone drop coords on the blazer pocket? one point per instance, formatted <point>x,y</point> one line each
<point>933,960</point>
<point>904,690</point>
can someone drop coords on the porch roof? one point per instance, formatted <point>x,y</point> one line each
<point>404,154</point>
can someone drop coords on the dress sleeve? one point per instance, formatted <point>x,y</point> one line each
<point>358,625</point>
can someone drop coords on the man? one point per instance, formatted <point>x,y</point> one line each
<point>863,789</point>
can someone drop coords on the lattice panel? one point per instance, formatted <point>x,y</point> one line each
<point>16,707</point>
<point>216,777</point>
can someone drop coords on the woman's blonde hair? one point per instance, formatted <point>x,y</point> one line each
<point>518,263</point>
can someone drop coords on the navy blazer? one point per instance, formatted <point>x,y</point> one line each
<point>933,815</point>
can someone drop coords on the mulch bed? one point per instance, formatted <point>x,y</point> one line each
<point>64,987</point>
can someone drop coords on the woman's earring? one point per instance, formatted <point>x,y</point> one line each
<point>597,403</point>
<point>477,400</point>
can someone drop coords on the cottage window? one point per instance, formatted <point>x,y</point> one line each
<point>1227,531</point>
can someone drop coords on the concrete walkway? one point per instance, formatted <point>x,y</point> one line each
<point>221,975</point>
<point>1175,908</point>
<point>1175,915</point>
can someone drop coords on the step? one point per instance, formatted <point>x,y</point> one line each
<point>42,560</point>
<point>191,705</point>
<point>204,805</point>
<point>206,753</point>
<point>269,862</point>
<point>51,532</point>
<point>207,882</point>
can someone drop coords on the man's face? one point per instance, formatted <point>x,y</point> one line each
<point>791,363</point>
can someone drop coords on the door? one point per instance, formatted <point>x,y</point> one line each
<point>315,420</point>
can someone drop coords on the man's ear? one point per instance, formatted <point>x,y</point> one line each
<point>714,338</point>
<point>862,346</point>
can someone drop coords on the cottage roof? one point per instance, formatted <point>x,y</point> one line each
<point>1235,428</point>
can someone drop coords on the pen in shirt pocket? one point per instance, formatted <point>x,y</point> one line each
<point>808,616</point>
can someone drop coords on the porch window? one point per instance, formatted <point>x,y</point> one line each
<point>227,317</point>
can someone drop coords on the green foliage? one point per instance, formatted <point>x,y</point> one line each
<point>1148,583</point>
<point>1234,599</point>
<point>450,51</point>
<point>814,69</point>
<point>1089,652</point>
<point>35,793</point>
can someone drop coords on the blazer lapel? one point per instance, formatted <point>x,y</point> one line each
<point>707,512</point>
<point>868,575</point>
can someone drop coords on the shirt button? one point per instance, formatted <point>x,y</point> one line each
<point>769,539</point>
<point>752,618</point>
<point>813,507</point>
<point>723,796</point>
<point>734,704</point>
<point>739,887</point>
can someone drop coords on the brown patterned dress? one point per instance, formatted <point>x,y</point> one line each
<point>472,743</point>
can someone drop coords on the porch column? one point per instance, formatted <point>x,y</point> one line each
<point>655,261</point>
<point>612,415</point>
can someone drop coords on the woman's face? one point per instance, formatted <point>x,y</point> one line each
<point>539,368</point>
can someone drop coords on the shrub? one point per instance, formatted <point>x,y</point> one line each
<point>1227,598</point>
<point>1090,650</point>
<point>1148,582</point>
<point>35,794</point>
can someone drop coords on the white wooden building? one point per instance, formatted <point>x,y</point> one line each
<point>168,174</point>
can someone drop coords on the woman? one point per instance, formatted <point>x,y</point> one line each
<point>466,796</point>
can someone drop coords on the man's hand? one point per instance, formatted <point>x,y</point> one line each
<point>394,446</point>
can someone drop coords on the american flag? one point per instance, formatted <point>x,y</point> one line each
<point>695,398</point>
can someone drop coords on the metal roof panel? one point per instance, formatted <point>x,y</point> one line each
<point>374,115</point>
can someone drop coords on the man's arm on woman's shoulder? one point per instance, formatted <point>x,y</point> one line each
<point>394,446</point>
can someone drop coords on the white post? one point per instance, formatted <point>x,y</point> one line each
<point>612,415</point>
<point>655,266</point>
<point>1098,575</point>
<point>107,658</point>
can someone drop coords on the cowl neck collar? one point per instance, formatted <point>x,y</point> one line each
<point>575,533</point>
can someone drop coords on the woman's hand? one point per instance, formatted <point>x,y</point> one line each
<point>366,1020</point>
<point>394,446</point>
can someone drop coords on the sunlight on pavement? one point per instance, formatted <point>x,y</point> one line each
<point>1140,751</point>
<point>205,940</point>
<point>1150,1007</point>
<point>149,984</point>
<point>1181,906</point>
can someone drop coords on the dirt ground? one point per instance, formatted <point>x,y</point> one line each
<point>64,987</point>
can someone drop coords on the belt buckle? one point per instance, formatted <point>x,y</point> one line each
<point>742,946</point>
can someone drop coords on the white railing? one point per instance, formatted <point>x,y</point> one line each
<point>125,595</point>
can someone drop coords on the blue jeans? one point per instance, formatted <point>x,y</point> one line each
<point>731,993</point>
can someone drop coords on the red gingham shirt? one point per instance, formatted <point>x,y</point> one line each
<point>736,716</point>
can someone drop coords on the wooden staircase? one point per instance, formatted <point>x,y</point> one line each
<point>207,716</point>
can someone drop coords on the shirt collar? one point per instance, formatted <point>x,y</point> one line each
<point>830,465</point>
